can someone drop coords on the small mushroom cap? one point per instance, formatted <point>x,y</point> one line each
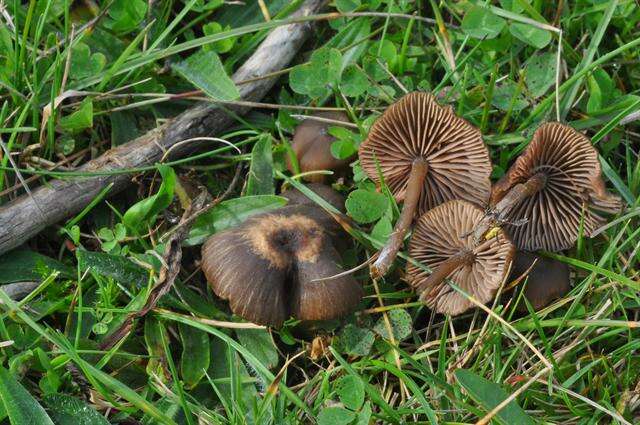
<point>547,280</point>
<point>574,186</point>
<point>417,127</point>
<point>263,268</point>
<point>312,146</point>
<point>445,231</point>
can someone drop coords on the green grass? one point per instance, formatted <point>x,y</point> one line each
<point>114,68</point>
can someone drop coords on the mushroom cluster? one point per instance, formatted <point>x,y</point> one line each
<point>466,236</point>
<point>439,166</point>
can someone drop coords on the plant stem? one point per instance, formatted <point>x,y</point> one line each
<point>390,250</point>
<point>433,283</point>
<point>509,201</point>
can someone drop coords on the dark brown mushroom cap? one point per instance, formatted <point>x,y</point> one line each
<point>573,185</point>
<point>325,192</point>
<point>547,280</point>
<point>312,146</point>
<point>264,267</point>
<point>445,231</point>
<point>417,127</point>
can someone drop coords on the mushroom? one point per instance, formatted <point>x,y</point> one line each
<point>443,240</point>
<point>323,191</point>
<point>547,279</point>
<point>427,156</point>
<point>550,192</point>
<point>271,268</point>
<point>312,145</point>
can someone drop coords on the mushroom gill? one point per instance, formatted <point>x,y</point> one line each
<point>553,187</point>
<point>442,240</point>
<point>427,155</point>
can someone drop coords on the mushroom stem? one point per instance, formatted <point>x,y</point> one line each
<point>444,269</point>
<point>509,201</point>
<point>390,250</point>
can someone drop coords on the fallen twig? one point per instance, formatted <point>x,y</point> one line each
<point>21,219</point>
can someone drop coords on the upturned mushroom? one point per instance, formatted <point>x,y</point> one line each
<point>442,239</point>
<point>545,279</point>
<point>312,146</point>
<point>271,268</point>
<point>427,155</point>
<point>551,192</point>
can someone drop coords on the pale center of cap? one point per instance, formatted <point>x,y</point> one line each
<point>281,239</point>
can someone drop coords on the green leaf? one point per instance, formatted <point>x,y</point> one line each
<point>143,213</point>
<point>354,81</point>
<point>22,265</point>
<point>335,416</point>
<point>153,339</point>
<point>206,5</point>
<point>83,63</point>
<point>480,22</point>
<point>67,410</point>
<point>123,127</point>
<point>222,46</point>
<point>364,416</point>
<point>114,266</point>
<point>248,13</point>
<point>346,144</point>
<point>260,181</point>
<point>540,73</point>
<point>382,230</point>
<point>231,213</point>
<point>320,75</point>
<point>80,119</point>
<point>401,324</point>
<point>195,357</point>
<point>126,15</point>
<point>260,343</point>
<point>205,71</point>
<point>345,6</point>
<point>489,395</point>
<point>350,391</point>
<point>366,206</point>
<point>351,37</point>
<point>529,34</point>
<point>356,341</point>
<point>20,406</point>
<point>503,97</point>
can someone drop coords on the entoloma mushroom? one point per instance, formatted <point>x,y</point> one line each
<point>442,239</point>
<point>546,279</point>
<point>550,192</point>
<point>427,156</point>
<point>312,145</point>
<point>271,268</point>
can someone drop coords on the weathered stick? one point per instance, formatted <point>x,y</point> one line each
<point>26,216</point>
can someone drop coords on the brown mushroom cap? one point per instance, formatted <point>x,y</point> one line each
<point>312,146</point>
<point>265,269</point>
<point>417,127</point>
<point>573,186</point>
<point>325,192</point>
<point>547,280</point>
<point>444,232</point>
